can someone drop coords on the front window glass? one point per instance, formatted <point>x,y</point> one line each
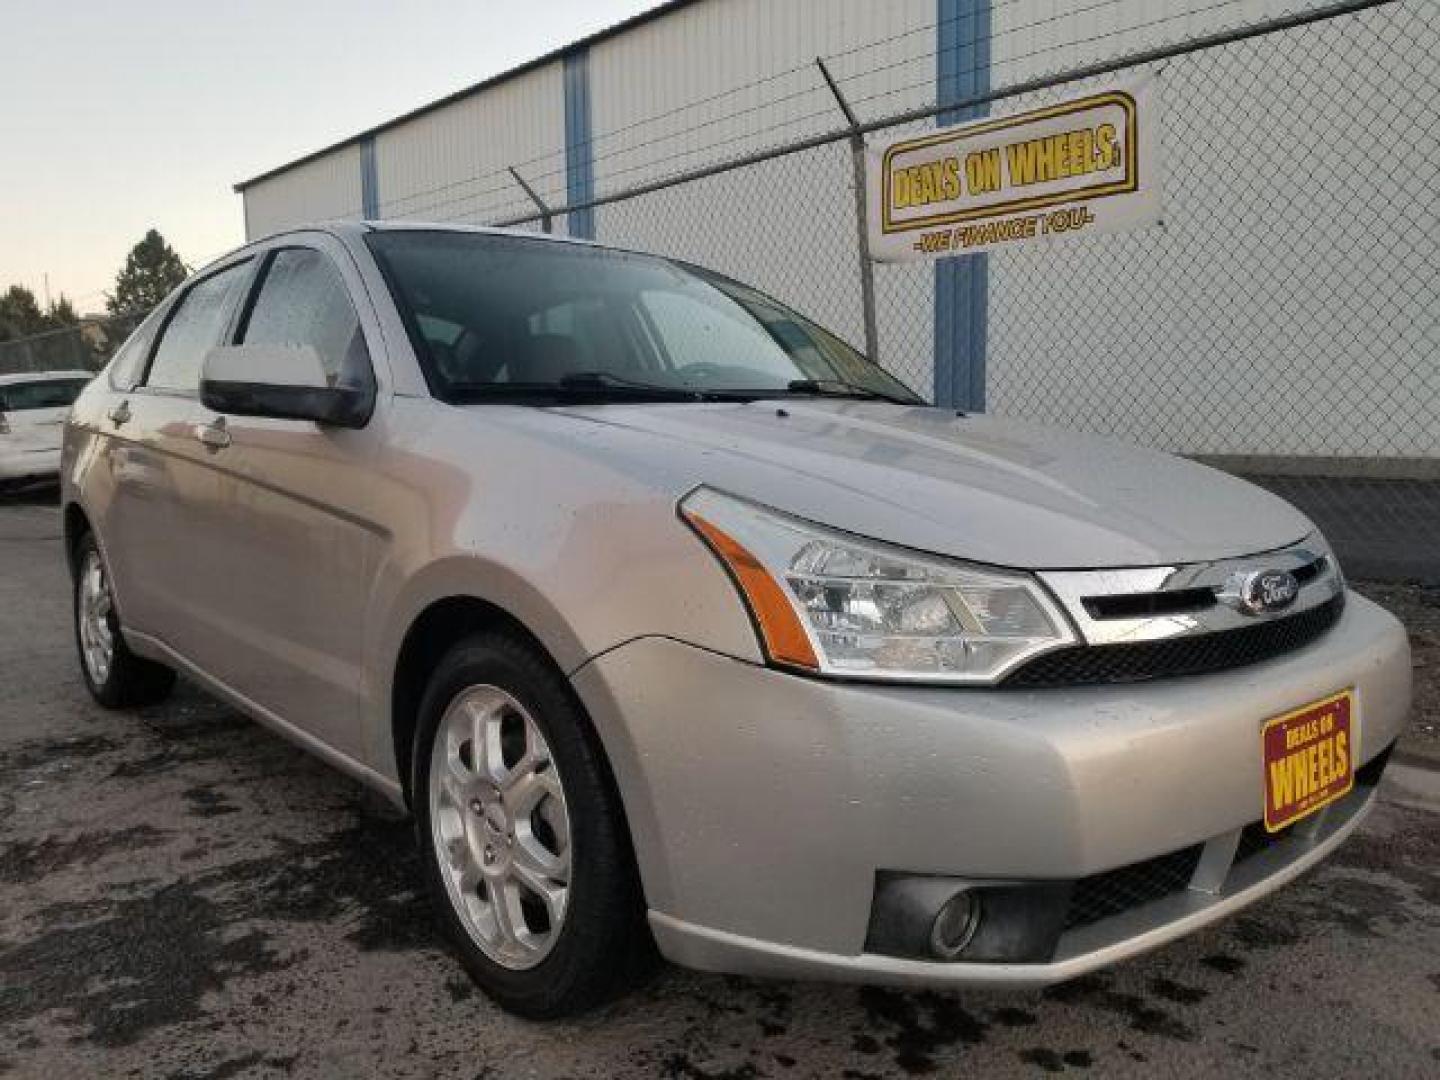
<point>303,301</point>
<point>493,312</point>
<point>51,394</point>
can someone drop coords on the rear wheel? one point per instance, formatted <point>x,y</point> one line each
<point>115,676</point>
<point>524,841</point>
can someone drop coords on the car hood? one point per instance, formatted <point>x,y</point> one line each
<point>973,487</point>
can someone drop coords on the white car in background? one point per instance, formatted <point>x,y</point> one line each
<point>33,407</point>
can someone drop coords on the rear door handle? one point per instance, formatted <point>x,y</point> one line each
<point>214,435</point>
<point>120,414</point>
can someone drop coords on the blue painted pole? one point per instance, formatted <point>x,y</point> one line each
<point>369,181</point>
<point>962,282</point>
<point>579,151</point>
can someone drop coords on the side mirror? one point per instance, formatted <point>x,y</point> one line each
<point>286,382</point>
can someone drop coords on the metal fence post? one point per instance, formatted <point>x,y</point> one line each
<point>867,265</point>
<point>545,214</point>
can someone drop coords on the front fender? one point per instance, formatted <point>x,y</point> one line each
<point>582,579</point>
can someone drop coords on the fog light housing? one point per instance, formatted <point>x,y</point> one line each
<point>948,919</point>
<point>955,925</point>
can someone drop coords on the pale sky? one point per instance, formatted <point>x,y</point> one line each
<point>115,118</point>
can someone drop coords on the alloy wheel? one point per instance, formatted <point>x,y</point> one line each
<point>500,826</point>
<point>93,607</point>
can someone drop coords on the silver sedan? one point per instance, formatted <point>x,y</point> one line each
<point>680,625</point>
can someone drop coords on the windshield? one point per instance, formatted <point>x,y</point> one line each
<point>491,314</point>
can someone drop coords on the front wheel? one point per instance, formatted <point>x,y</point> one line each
<point>115,676</point>
<point>524,840</point>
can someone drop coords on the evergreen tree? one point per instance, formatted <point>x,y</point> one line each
<point>152,270</point>
<point>21,315</point>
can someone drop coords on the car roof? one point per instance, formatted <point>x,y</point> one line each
<point>450,226</point>
<point>352,230</point>
<point>44,376</point>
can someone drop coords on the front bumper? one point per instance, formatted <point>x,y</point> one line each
<point>762,805</point>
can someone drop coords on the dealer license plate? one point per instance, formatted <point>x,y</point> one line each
<point>1309,757</point>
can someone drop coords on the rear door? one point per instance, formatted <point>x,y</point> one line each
<point>155,458</point>
<point>285,540</point>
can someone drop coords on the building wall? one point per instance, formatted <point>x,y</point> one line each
<point>320,190</point>
<point>427,167</point>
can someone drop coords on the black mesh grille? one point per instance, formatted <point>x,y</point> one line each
<point>1255,839</point>
<point>1370,774</point>
<point>1084,665</point>
<point>1102,895</point>
<point>1115,891</point>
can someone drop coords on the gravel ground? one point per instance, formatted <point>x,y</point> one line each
<point>184,895</point>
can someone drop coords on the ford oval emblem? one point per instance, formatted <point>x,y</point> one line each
<point>1261,592</point>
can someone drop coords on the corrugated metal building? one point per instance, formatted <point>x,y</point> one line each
<point>694,82</point>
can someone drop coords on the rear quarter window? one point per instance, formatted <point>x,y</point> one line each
<point>127,366</point>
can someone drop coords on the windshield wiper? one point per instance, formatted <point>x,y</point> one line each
<point>587,385</point>
<point>841,388</point>
<point>604,380</point>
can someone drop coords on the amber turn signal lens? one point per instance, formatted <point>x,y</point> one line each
<point>785,639</point>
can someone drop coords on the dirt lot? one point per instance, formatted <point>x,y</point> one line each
<point>184,895</point>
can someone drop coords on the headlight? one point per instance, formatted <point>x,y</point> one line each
<point>833,603</point>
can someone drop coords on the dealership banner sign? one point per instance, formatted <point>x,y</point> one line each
<point>1077,167</point>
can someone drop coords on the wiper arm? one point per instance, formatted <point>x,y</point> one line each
<point>842,388</point>
<point>587,385</point>
<point>604,380</point>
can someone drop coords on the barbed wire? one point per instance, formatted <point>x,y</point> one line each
<point>403,204</point>
<point>806,67</point>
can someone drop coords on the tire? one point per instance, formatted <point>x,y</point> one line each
<point>123,680</point>
<point>486,842</point>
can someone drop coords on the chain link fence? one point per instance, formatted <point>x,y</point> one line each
<point>82,347</point>
<point>1282,322</point>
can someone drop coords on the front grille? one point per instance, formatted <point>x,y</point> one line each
<point>1103,895</point>
<point>1145,605</point>
<point>1149,604</point>
<point>1088,665</point>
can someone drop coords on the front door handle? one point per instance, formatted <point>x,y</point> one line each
<point>214,435</point>
<point>120,414</point>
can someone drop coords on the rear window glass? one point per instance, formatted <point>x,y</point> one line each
<point>51,394</point>
<point>194,330</point>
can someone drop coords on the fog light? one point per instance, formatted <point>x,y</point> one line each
<point>955,925</point>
